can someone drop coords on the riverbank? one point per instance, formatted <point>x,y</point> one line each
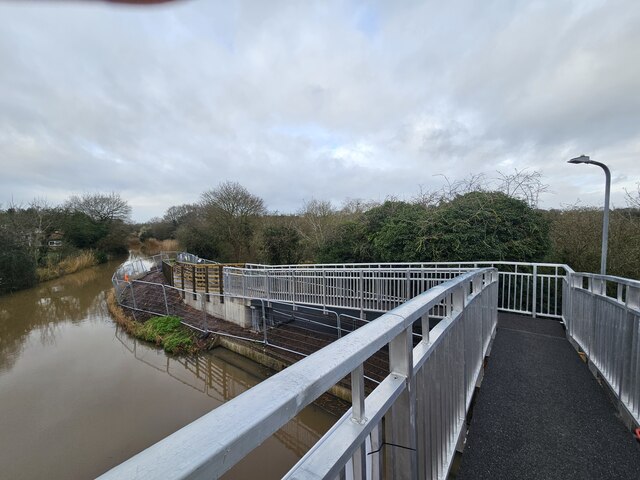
<point>72,264</point>
<point>69,373</point>
<point>166,332</point>
<point>251,347</point>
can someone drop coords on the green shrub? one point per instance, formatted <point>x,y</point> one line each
<point>167,331</point>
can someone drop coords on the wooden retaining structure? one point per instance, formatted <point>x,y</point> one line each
<point>196,277</point>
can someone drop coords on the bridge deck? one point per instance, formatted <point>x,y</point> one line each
<point>540,413</point>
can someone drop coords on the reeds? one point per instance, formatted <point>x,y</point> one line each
<point>151,246</point>
<point>67,266</point>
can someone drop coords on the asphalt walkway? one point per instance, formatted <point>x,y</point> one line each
<point>541,414</point>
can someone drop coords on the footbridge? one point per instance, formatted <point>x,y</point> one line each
<point>529,370</point>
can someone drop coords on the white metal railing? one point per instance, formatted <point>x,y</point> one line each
<point>526,288</point>
<point>419,409</point>
<point>186,257</point>
<point>364,289</point>
<point>139,266</point>
<point>602,315</point>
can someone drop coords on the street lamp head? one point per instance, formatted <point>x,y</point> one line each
<point>580,159</point>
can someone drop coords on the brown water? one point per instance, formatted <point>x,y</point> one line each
<point>79,396</point>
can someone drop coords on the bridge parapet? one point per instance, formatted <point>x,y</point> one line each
<point>399,411</point>
<point>602,316</point>
<point>527,288</point>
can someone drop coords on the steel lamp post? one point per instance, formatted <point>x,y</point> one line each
<point>605,218</point>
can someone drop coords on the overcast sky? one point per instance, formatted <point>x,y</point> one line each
<point>329,100</point>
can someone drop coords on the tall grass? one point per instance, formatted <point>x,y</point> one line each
<point>67,265</point>
<point>151,246</point>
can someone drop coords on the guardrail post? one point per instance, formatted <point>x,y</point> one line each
<point>324,289</point>
<point>264,324</point>
<point>358,416</point>
<point>425,328</point>
<point>633,297</point>
<point>221,282</point>
<point>402,463</point>
<point>534,306</point>
<point>407,285</point>
<point>361,288</point>
<point>267,285</point>
<point>358,395</point>
<point>459,299</point>
<point>597,286</point>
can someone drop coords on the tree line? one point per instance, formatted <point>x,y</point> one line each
<point>39,235</point>
<point>470,219</point>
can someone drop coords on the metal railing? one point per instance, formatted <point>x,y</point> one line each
<point>602,315</point>
<point>408,426</point>
<point>527,288</point>
<point>139,266</point>
<point>364,289</point>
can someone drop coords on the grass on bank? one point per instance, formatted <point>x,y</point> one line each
<point>66,266</point>
<point>166,332</point>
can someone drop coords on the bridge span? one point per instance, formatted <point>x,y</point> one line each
<point>542,410</point>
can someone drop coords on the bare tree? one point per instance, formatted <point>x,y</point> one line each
<point>101,207</point>
<point>357,206</point>
<point>427,198</point>
<point>233,200</point>
<point>633,198</point>
<point>522,184</point>
<point>178,213</point>
<point>318,219</point>
<point>475,182</point>
<point>232,209</point>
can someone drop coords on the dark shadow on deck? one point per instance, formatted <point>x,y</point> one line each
<point>541,414</point>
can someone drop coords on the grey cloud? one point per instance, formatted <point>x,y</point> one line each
<point>319,99</point>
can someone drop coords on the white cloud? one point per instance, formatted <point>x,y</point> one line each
<point>318,99</point>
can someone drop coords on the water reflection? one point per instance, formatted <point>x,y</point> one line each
<point>72,298</point>
<point>85,396</point>
<point>222,375</point>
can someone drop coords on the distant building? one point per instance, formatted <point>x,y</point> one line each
<point>55,240</point>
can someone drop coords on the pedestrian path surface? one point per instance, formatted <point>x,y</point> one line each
<point>541,414</point>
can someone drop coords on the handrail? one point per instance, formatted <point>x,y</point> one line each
<point>211,445</point>
<point>483,263</point>
<point>607,329</point>
<point>526,288</point>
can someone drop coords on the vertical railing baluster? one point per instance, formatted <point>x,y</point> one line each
<point>535,292</point>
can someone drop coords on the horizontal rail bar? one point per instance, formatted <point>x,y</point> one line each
<point>230,432</point>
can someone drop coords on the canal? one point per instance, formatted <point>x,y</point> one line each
<point>79,396</point>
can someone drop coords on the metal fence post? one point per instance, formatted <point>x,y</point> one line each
<point>166,304</point>
<point>264,324</point>
<point>267,285</point>
<point>324,289</point>
<point>193,281</point>
<point>203,305</point>
<point>358,416</point>
<point>535,292</point>
<point>361,288</point>
<point>401,430</point>
<point>133,296</point>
